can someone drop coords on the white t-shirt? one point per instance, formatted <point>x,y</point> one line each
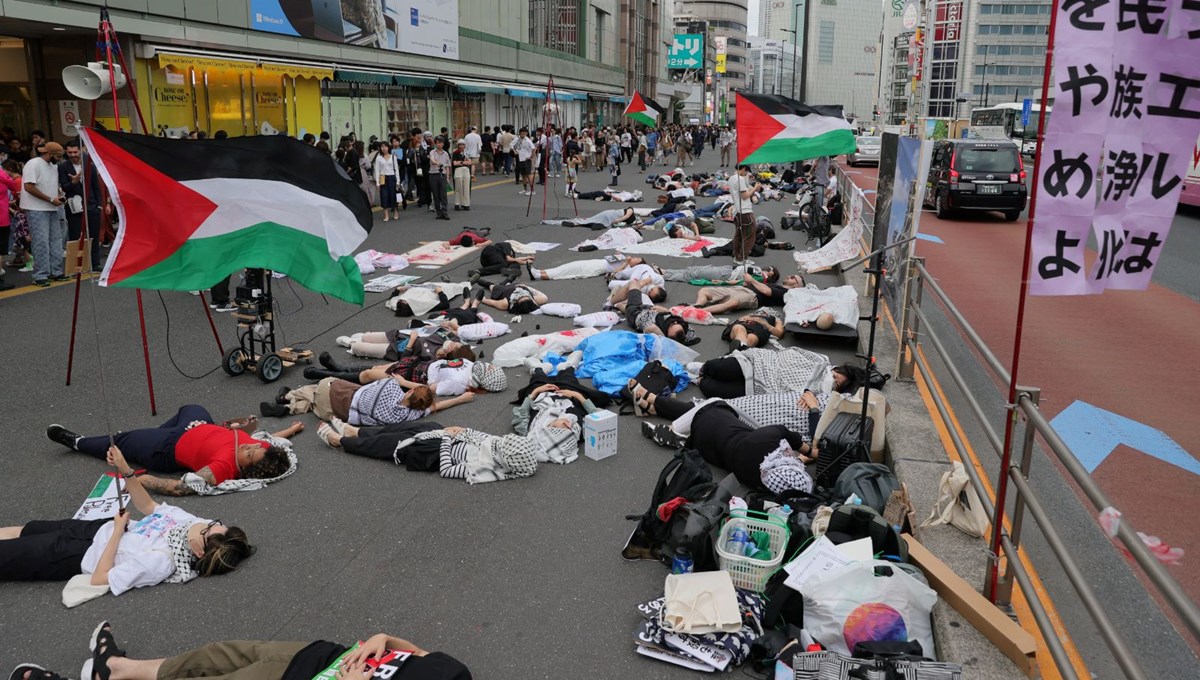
<point>474,144</point>
<point>385,165</point>
<point>524,148</point>
<point>637,272</point>
<point>45,176</point>
<point>683,192</point>
<point>738,184</point>
<point>451,381</point>
<point>143,556</point>
<point>626,139</point>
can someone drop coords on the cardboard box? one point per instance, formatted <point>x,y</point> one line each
<point>76,259</point>
<point>600,435</point>
<point>1011,639</point>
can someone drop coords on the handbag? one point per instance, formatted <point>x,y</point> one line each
<point>958,505</point>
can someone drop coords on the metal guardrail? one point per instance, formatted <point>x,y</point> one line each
<point>916,332</point>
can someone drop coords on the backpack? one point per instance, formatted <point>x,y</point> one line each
<point>852,522</point>
<point>872,482</point>
<point>686,476</point>
<point>696,525</point>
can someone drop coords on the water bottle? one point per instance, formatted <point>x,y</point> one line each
<point>781,512</point>
<point>682,563</point>
<point>738,538</point>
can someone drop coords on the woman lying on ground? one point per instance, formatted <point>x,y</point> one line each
<point>475,375</point>
<point>797,411</point>
<point>382,402</point>
<point>453,452</point>
<point>771,457</point>
<point>381,655</point>
<point>190,442</point>
<point>584,269</point>
<point>514,298</point>
<point>769,371</point>
<point>753,330</point>
<point>426,342</point>
<point>167,544</point>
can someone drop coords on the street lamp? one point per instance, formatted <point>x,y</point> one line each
<point>986,64</point>
<point>795,42</point>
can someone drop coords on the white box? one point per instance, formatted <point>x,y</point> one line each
<point>600,435</point>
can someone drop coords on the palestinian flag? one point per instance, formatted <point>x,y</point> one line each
<point>195,211</point>
<point>774,129</point>
<point>644,110</point>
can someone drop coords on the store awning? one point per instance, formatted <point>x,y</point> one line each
<point>575,96</point>
<point>532,94</point>
<point>619,100</point>
<point>365,77</point>
<point>414,81</point>
<point>477,86</point>
<point>201,63</point>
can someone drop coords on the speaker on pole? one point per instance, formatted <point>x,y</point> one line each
<point>91,81</point>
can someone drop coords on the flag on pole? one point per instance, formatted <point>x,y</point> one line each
<point>775,129</point>
<point>644,110</point>
<point>194,211</point>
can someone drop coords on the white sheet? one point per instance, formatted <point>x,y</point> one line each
<point>806,304</point>
<point>672,247</point>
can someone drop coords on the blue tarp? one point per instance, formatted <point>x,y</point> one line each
<point>611,358</point>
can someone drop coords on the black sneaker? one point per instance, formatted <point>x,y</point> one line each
<point>473,276</point>
<point>662,434</point>
<point>61,435</point>
<point>279,396</point>
<point>272,410</point>
<point>529,268</point>
<point>42,283</point>
<point>60,277</point>
<point>326,360</point>
<point>479,294</point>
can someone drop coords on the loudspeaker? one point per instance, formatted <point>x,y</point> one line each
<point>267,129</point>
<point>91,81</point>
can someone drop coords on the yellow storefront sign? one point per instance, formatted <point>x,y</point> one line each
<point>721,63</point>
<point>185,61</point>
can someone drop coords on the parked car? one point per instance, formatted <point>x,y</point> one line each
<point>976,174</point>
<point>867,151</point>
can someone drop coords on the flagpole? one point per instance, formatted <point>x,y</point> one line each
<point>993,575</point>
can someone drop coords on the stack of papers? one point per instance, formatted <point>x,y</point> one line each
<point>823,557</point>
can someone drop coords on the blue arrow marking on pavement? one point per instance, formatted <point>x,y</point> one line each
<point>930,237</point>
<point>869,191</point>
<point>1093,434</point>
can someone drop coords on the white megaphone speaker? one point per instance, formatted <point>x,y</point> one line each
<point>91,81</point>
<point>267,129</point>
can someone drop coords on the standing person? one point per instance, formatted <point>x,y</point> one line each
<point>487,152</point>
<point>614,163</point>
<point>697,141</point>
<point>572,175</point>
<point>366,172</point>
<point>726,142</point>
<point>523,148</point>
<point>41,200</point>
<point>626,145</point>
<point>387,172</point>
<point>474,147</point>
<point>651,145</point>
<point>540,155</point>
<point>439,166</point>
<point>742,191</point>
<point>821,174</point>
<point>556,152</point>
<point>642,150</point>
<point>423,145</point>
<point>463,166</point>
<point>70,178</point>
<point>505,143</point>
<point>682,157</point>
<point>10,186</point>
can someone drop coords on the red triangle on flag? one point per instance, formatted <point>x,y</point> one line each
<point>755,127</point>
<point>636,105</point>
<point>158,214</point>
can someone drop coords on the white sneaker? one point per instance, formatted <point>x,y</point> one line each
<point>343,341</point>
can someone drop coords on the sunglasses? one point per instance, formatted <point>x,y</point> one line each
<point>204,532</point>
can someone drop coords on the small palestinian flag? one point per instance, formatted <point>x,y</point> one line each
<point>774,129</point>
<point>644,110</point>
<point>195,211</point>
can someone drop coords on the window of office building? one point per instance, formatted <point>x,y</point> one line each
<point>555,24</point>
<point>825,31</point>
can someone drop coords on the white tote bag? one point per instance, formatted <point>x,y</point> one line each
<point>703,602</point>
<point>958,505</point>
<point>857,603</point>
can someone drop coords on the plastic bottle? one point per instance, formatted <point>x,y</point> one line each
<point>682,562</point>
<point>781,512</point>
<point>738,538</point>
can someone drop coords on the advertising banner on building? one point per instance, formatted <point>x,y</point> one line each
<point>722,44</point>
<point>1117,146</point>
<point>428,27</point>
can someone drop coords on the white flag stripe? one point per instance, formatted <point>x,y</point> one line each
<point>244,203</point>
<point>811,125</point>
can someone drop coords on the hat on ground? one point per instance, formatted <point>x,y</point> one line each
<point>488,376</point>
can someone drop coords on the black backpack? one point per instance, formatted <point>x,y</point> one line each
<point>686,475</point>
<point>873,483</point>
<point>852,522</point>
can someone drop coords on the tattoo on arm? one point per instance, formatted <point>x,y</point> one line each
<point>166,487</point>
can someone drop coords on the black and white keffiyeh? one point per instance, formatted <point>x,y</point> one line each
<point>781,471</point>
<point>181,554</point>
<point>197,483</point>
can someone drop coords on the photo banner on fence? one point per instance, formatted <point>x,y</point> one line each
<point>883,190</point>
<point>908,193</point>
<point>1118,145</point>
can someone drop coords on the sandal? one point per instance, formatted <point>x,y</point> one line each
<point>104,647</point>
<point>641,401</point>
<point>326,433</point>
<point>243,423</point>
<point>35,672</point>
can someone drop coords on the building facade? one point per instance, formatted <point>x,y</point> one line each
<point>1005,51</point>
<point>841,50</point>
<point>724,18</point>
<point>774,69</point>
<point>258,66</point>
<point>775,19</point>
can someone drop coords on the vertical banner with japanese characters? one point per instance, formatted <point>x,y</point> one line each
<point>1126,117</point>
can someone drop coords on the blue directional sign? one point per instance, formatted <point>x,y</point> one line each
<point>687,51</point>
<point>1026,109</point>
<point>1093,434</point>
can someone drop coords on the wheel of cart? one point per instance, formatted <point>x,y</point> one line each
<point>235,361</point>
<point>270,367</point>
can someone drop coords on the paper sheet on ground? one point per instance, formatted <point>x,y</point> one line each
<point>617,238</point>
<point>674,247</point>
<point>101,502</point>
<point>823,556</point>
<point>542,246</point>
<point>436,253</point>
<point>383,284</point>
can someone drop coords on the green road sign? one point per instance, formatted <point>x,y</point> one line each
<point>687,51</point>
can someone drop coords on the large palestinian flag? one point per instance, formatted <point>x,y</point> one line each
<point>644,110</point>
<point>774,129</point>
<point>194,211</point>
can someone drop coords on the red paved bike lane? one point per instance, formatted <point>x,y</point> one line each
<point>1131,353</point>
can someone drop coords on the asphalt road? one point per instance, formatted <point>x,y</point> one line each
<point>520,579</point>
<point>1095,349</point>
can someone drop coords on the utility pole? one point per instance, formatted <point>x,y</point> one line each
<point>804,62</point>
<point>795,47</point>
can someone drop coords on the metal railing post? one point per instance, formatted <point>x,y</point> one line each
<point>1005,583</point>
<point>910,323</point>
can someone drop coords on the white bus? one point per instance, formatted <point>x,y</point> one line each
<point>1003,121</point>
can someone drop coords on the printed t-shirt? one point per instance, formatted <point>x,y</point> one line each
<point>143,556</point>
<point>320,661</point>
<point>212,446</point>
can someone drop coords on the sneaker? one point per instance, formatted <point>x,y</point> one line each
<point>662,434</point>
<point>27,268</point>
<point>42,283</point>
<point>60,277</point>
<point>61,435</point>
<point>343,341</point>
<point>193,293</point>
<point>326,360</point>
<point>272,410</point>
<point>281,394</point>
<point>226,307</point>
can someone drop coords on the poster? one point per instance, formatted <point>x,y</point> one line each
<point>428,27</point>
<point>101,501</point>
<point>908,194</point>
<point>883,190</point>
<point>68,117</point>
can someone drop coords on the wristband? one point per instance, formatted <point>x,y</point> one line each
<point>134,473</point>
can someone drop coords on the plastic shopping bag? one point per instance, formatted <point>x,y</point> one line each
<point>868,601</point>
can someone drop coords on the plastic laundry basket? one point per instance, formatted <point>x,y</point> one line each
<point>747,572</point>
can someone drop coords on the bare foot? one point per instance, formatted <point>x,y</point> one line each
<point>349,431</point>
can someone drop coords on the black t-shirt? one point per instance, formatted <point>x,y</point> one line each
<point>727,442</point>
<point>487,139</point>
<point>775,299</point>
<point>318,656</point>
